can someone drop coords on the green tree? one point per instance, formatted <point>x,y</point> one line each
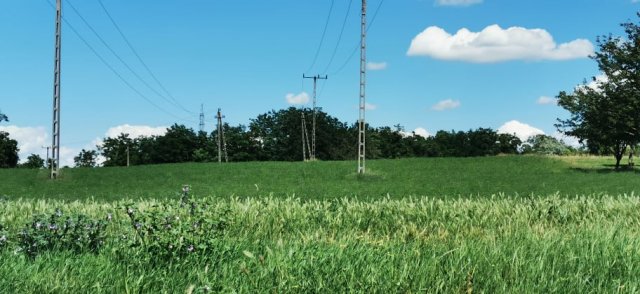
<point>3,117</point>
<point>86,158</point>
<point>547,145</point>
<point>33,161</point>
<point>114,150</point>
<point>8,151</point>
<point>606,115</point>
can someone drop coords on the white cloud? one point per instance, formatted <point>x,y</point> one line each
<point>299,99</point>
<point>446,105</point>
<point>494,44</point>
<point>376,66</point>
<point>422,132</point>
<point>635,1</point>
<point>458,2</point>
<point>369,106</point>
<point>544,100</point>
<point>134,131</point>
<point>521,130</point>
<point>597,81</point>
<point>569,140</point>
<point>30,140</point>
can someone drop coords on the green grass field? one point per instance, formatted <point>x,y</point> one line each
<point>434,177</point>
<point>492,224</point>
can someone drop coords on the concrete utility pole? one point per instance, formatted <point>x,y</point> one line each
<point>363,75</point>
<point>305,139</point>
<point>313,128</point>
<point>47,162</point>
<point>55,145</point>
<point>127,156</point>
<point>222,143</point>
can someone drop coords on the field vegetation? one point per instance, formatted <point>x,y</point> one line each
<point>433,177</point>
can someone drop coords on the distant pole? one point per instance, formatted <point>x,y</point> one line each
<point>313,128</point>
<point>201,117</point>
<point>222,143</point>
<point>363,73</point>
<point>127,156</point>
<point>305,139</point>
<point>55,145</point>
<point>47,162</point>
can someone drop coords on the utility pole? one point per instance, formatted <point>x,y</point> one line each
<point>55,145</point>
<point>127,156</point>
<point>47,162</point>
<point>201,118</point>
<point>363,73</point>
<point>313,128</point>
<point>305,139</point>
<point>222,143</point>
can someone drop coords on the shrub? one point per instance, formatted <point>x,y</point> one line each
<point>77,233</point>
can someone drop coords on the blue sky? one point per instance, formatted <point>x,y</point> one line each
<point>248,56</point>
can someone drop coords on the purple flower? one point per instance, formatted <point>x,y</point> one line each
<point>53,227</point>
<point>190,248</point>
<point>138,226</point>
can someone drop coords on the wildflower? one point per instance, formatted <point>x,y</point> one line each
<point>190,248</point>
<point>53,227</point>
<point>167,226</point>
<point>138,226</point>
<point>58,212</point>
<point>3,239</point>
<point>130,211</point>
<point>109,217</point>
<point>170,246</point>
<point>38,225</point>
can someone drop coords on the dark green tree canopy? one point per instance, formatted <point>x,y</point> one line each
<point>86,158</point>
<point>8,151</point>
<point>33,161</point>
<point>605,112</point>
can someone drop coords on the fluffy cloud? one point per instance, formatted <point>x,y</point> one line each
<point>521,130</point>
<point>30,140</point>
<point>460,2</point>
<point>569,140</point>
<point>376,66</point>
<point>446,105</point>
<point>422,132</point>
<point>135,131</point>
<point>299,99</point>
<point>544,100</point>
<point>494,44</point>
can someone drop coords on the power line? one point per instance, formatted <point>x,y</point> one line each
<point>355,49</point>
<point>324,32</point>
<point>344,24</point>
<point>113,69</point>
<point>118,56</point>
<point>144,64</point>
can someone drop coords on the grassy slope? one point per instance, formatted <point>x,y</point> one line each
<point>438,177</point>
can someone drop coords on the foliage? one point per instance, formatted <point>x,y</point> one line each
<point>86,158</point>
<point>546,145</point>
<point>446,177</point>
<point>33,161</point>
<point>606,114</point>
<point>3,117</point>
<point>4,237</point>
<point>173,230</point>
<point>8,151</point>
<point>77,233</point>
<point>504,243</point>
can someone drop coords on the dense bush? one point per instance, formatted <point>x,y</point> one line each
<point>175,229</point>
<point>77,233</point>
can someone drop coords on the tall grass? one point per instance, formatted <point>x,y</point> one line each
<point>495,244</point>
